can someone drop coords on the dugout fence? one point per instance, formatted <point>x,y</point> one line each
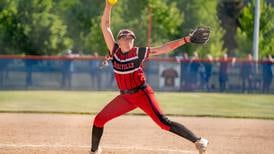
<point>163,74</point>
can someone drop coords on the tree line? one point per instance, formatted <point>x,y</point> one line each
<point>49,27</point>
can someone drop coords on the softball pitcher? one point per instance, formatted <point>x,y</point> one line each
<point>135,93</point>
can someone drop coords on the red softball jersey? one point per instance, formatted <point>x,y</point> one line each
<point>128,67</point>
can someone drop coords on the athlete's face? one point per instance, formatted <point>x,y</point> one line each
<point>126,43</point>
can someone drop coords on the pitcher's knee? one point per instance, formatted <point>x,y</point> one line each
<point>165,127</point>
<point>99,121</point>
<point>164,123</point>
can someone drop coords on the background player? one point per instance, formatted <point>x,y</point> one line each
<point>134,92</point>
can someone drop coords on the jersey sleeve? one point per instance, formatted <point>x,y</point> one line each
<point>143,53</point>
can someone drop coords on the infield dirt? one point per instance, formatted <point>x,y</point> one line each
<point>54,133</point>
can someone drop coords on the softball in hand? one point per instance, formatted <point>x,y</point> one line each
<point>112,2</point>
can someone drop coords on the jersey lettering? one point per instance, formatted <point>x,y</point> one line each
<point>128,67</point>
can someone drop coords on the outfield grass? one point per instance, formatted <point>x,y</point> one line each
<point>187,104</point>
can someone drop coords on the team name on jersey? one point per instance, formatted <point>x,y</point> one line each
<point>121,66</point>
<point>129,62</point>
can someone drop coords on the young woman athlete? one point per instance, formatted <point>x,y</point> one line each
<point>135,93</point>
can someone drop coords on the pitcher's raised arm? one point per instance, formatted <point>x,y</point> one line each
<point>105,26</point>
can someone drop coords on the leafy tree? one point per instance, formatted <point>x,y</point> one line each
<point>202,13</point>
<point>245,32</point>
<point>79,16</point>
<point>228,13</point>
<point>30,27</point>
<point>166,19</point>
<point>7,26</point>
<point>48,26</point>
<point>94,40</point>
<point>133,14</point>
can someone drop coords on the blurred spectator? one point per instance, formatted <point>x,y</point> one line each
<point>194,68</point>
<point>67,70</point>
<point>95,71</point>
<point>3,71</point>
<point>223,76</point>
<point>247,73</point>
<point>185,70</point>
<point>267,73</point>
<point>112,76</point>
<point>106,67</point>
<point>206,75</point>
<point>148,69</point>
<point>29,68</point>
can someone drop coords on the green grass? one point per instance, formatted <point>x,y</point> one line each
<point>187,104</point>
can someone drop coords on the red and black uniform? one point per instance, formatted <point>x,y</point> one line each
<point>128,67</point>
<point>134,93</point>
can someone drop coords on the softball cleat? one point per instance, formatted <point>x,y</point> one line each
<point>201,145</point>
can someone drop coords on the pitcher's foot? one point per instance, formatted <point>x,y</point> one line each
<point>98,151</point>
<point>201,145</point>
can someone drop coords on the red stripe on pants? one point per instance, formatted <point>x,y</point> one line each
<point>144,99</point>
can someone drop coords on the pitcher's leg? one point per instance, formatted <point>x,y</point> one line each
<point>151,107</point>
<point>97,133</point>
<point>118,106</point>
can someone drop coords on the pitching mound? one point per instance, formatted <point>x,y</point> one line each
<point>52,133</point>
